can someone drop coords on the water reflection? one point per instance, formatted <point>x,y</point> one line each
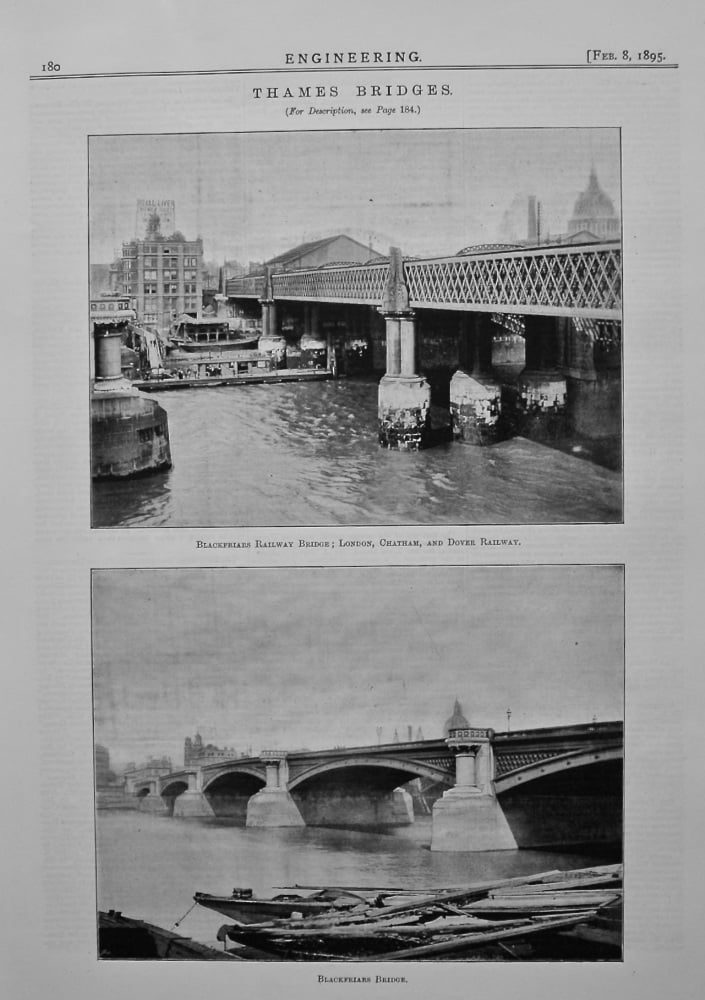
<point>307,454</point>
<point>150,866</point>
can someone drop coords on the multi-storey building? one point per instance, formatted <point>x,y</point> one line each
<point>198,753</point>
<point>163,277</point>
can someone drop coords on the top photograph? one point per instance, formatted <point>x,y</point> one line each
<point>335,328</point>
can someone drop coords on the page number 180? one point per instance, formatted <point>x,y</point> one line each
<point>51,67</point>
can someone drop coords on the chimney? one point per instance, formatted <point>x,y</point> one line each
<point>532,235</point>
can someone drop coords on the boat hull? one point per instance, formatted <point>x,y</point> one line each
<point>255,911</point>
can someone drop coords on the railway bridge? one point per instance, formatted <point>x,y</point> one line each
<point>545,787</point>
<point>564,301</point>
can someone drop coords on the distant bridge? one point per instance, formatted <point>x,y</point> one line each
<point>577,768</point>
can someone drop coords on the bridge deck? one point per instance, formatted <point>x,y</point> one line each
<point>580,281</point>
<point>513,752</point>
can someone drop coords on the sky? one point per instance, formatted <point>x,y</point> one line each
<point>321,657</point>
<point>251,196</point>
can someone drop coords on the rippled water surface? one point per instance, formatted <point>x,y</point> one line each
<point>150,866</point>
<point>307,454</point>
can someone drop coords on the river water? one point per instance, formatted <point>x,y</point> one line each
<point>150,866</point>
<point>307,454</point>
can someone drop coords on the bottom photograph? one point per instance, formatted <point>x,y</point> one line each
<point>361,764</point>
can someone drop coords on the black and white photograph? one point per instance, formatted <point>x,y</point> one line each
<point>403,326</point>
<point>359,764</point>
<point>351,564</point>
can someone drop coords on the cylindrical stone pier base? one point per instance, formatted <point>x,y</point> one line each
<point>314,351</point>
<point>273,807</point>
<point>403,412</point>
<point>129,434</point>
<point>541,400</point>
<point>475,407</point>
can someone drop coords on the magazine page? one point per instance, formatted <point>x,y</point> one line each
<point>356,633</point>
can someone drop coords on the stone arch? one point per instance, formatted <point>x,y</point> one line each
<point>360,792</point>
<point>229,789</point>
<point>407,768</point>
<point>247,770</point>
<point>171,790</point>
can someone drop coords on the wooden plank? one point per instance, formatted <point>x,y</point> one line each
<point>471,941</point>
<point>380,913</point>
<point>570,884</point>
<point>402,930</point>
<point>614,869</point>
<point>578,897</point>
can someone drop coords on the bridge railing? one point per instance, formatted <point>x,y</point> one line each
<point>579,281</point>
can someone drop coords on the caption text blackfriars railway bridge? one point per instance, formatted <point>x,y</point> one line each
<point>556,786</point>
<point>564,301</point>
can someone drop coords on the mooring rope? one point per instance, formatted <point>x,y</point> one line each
<point>174,926</point>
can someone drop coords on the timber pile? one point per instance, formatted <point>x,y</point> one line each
<point>550,915</point>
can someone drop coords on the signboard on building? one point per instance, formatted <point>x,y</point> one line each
<point>148,207</point>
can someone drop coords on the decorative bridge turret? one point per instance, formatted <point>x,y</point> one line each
<point>555,786</point>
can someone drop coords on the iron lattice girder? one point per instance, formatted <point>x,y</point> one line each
<point>356,284</point>
<point>583,281</point>
<point>561,281</point>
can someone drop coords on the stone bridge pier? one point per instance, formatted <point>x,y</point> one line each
<point>468,817</point>
<point>193,804</point>
<point>317,350</point>
<point>272,340</point>
<point>475,393</point>
<point>542,386</point>
<point>404,396</point>
<point>273,805</point>
<point>150,799</point>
